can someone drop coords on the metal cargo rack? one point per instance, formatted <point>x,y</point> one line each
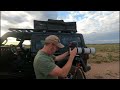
<point>58,26</point>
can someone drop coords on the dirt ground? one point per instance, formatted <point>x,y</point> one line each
<point>104,71</point>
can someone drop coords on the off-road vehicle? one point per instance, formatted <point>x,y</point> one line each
<point>16,60</point>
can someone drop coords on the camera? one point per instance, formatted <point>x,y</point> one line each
<point>82,52</point>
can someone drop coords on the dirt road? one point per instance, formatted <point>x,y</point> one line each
<point>104,71</point>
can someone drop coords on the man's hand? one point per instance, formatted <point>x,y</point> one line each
<point>73,53</point>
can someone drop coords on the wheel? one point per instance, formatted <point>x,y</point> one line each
<point>79,74</point>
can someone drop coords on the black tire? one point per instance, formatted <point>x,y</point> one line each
<point>79,74</point>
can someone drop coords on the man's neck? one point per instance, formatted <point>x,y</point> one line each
<point>45,50</point>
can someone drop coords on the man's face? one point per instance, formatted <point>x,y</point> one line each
<point>54,48</point>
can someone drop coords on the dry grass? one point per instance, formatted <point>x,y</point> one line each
<point>105,53</point>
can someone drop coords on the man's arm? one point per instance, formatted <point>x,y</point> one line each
<point>62,72</point>
<point>61,57</point>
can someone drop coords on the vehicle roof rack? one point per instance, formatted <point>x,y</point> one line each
<point>21,30</point>
<point>50,26</point>
<point>38,30</point>
<point>57,25</point>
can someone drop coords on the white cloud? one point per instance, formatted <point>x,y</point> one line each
<point>101,23</point>
<point>88,22</point>
<point>43,15</point>
<point>23,19</point>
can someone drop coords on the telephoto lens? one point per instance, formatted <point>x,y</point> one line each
<point>86,50</point>
<point>81,50</point>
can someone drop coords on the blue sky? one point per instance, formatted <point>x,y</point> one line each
<point>96,26</point>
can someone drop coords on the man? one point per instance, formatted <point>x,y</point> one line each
<point>44,61</point>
